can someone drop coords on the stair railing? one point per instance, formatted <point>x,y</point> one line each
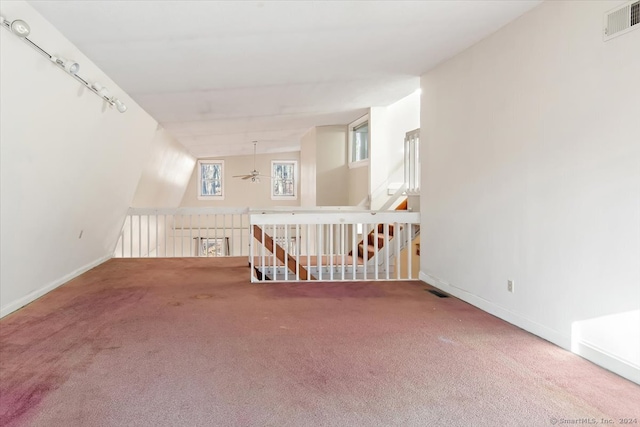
<point>184,232</point>
<point>395,198</point>
<point>412,162</point>
<point>328,246</point>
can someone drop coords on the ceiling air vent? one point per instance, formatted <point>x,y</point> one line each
<point>622,19</point>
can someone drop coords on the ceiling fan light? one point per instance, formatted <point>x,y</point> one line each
<point>254,175</point>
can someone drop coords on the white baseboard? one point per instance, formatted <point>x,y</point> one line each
<point>21,302</point>
<point>589,352</point>
<point>504,314</point>
<point>608,361</point>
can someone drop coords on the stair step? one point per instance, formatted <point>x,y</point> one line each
<point>403,206</point>
<point>381,240</point>
<point>381,229</point>
<point>370,249</point>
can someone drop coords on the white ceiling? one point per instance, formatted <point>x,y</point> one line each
<point>220,74</point>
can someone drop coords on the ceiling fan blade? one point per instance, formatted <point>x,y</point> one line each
<point>254,173</point>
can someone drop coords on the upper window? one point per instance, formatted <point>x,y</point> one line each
<point>359,142</point>
<point>284,183</point>
<point>210,179</point>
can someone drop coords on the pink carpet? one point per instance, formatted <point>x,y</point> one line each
<point>190,342</point>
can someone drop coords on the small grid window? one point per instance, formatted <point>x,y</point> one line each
<point>359,142</point>
<point>360,149</point>
<point>210,177</point>
<point>284,179</point>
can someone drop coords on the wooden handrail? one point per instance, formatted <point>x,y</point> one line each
<point>291,261</point>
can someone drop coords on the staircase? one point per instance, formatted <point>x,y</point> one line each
<point>273,247</point>
<point>323,245</point>
<point>372,246</point>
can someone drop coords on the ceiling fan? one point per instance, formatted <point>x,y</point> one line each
<point>254,174</point>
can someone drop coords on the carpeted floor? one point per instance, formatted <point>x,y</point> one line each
<point>189,342</point>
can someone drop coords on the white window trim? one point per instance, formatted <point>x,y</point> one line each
<point>358,164</point>
<point>199,183</point>
<point>295,180</point>
<point>352,125</point>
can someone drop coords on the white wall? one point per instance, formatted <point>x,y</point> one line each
<point>328,180</point>
<point>531,154</point>
<point>241,193</point>
<point>388,127</point>
<point>308,169</point>
<point>358,184</point>
<point>69,164</point>
<point>162,185</point>
<point>166,174</point>
<point>332,171</point>
<point>325,172</point>
<point>380,163</point>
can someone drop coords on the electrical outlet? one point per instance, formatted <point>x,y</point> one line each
<point>510,285</point>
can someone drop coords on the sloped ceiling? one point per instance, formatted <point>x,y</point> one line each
<point>218,75</point>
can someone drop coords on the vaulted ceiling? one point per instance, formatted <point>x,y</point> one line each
<point>220,74</point>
